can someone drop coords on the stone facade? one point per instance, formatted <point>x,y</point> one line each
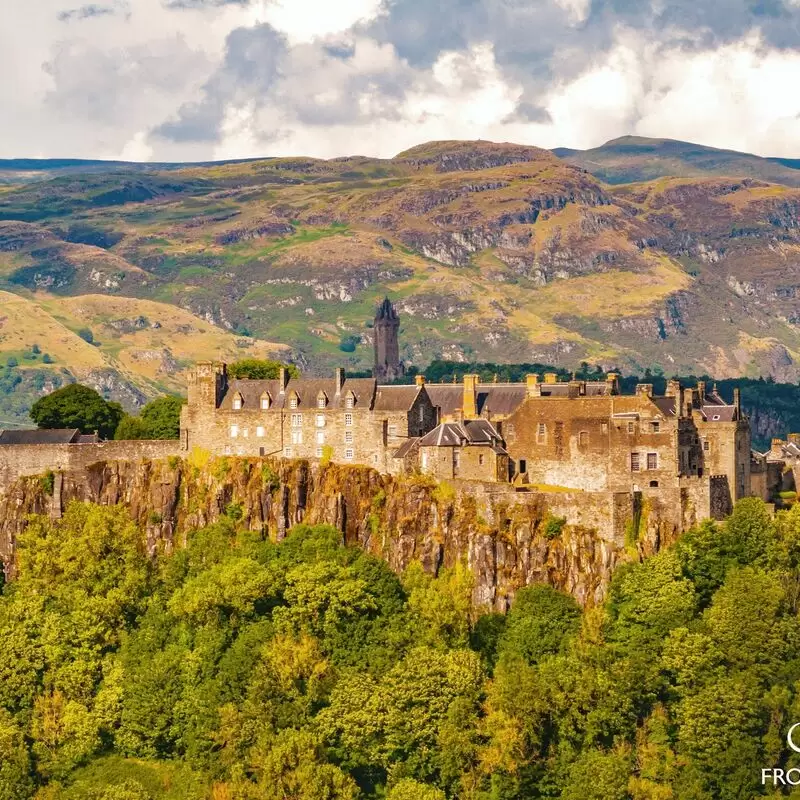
<point>347,420</point>
<point>386,330</point>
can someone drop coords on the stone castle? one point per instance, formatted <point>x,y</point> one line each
<point>689,446</point>
<point>687,453</point>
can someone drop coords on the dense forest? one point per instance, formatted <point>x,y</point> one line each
<point>240,668</point>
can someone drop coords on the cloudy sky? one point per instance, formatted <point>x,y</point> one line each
<point>211,79</point>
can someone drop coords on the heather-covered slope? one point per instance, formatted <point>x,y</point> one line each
<point>496,252</point>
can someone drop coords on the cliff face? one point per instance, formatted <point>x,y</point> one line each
<point>508,540</point>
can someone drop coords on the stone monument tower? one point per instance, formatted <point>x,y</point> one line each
<point>388,366</point>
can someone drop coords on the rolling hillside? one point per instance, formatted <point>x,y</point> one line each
<point>497,252</point>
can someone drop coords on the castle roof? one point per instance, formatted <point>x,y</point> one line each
<point>43,436</point>
<point>457,434</point>
<point>494,398</point>
<point>306,389</point>
<point>396,398</point>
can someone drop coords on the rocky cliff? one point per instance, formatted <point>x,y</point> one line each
<point>508,539</point>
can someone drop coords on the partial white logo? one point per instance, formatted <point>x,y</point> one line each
<point>789,740</point>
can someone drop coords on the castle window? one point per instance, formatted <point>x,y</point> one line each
<point>652,461</point>
<point>481,459</point>
<point>287,452</point>
<point>654,484</point>
<point>318,452</point>
<point>421,414</point>
<point>635,462</point>
<point>706,445</point>
<point>348,419</point>
<point>297,437</point>
<point>350,400</point>
<point>348,454</point>
<point>293,401</point>
<point>320,437</point>
<point>603,428</point>
<point>656,427</point>
<point>260,432</point>
<point>374,458</point>
<point>297,420</point>
<point>234,431</point>
<point>583,438</point>
<point>322,400</point>
<point>393,430</point>
<point>424,460</point>
<point>320,420</point>
<point>266,401</point>
<point>541,433</point>
<point>348,437</point>
<point>237,402</point>
<point>631,427</point>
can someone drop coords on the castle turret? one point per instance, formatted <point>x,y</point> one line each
<point>388,366</point>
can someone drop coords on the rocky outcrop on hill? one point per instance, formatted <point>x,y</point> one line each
<point>508,540</point>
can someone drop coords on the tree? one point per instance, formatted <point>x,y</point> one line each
<point>77,406</point>
<point>159,419</point>
<point>163,417</point>
<point>409,789</point>
<point>87,335</point>
<point>260,369</point>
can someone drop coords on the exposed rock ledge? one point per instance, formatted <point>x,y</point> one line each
<point>503,535</point>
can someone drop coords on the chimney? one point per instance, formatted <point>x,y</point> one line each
<point>574,389</point>
<point>737,401</point>
<point>673,388</point>
<point>470,405</point>
<point>532,381</point>
<point>550,377</point>
<point>793,438</point>
<point>420,380</point>
<point>701,392</point>
<point>283,378</point>
<point>644,388</point>
<point>612,379</point>
<point>339,375</point>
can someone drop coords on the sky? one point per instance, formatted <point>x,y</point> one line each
<point>187,80</point>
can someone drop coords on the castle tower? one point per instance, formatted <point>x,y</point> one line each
<point>387,347</point>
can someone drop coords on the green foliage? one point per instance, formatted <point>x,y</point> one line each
<point>241,668</point>
<point>258,369</point>
<point>87,335</point>
<point>348,344</point>
<point>159,419</point>
<point>77,406</point>
<point>47,482</point>
<point>553,526</point>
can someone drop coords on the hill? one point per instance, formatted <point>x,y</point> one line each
<point>494,252</point>
<point>637,158</point>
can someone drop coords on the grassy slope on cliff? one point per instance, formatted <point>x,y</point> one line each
<point>241,668</point>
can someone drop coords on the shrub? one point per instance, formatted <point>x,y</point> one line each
<point>553,526</point>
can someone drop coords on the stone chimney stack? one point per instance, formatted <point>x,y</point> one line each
<point>612,379</point>
<point>532,382</point>
<point>420,380</point>
<point>283,379</point>
<point>340,376</point>
<point>737,400</point>
<point>701,392</point>
<point>550,377</point>
<point>470,404</point>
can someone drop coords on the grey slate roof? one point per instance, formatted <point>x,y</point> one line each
<point>456,434</point>
<point>40,436</point>
<point>307,390</point>
<point>494,398</point>
<point>396,398</point>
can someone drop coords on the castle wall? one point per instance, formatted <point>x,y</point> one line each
<point>20,460</point>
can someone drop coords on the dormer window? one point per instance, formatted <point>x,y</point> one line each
<point>266,401</point>
<point>293,400</point>
<point>350,400</point>
<point>322,400</point>
<point>237,402</point>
